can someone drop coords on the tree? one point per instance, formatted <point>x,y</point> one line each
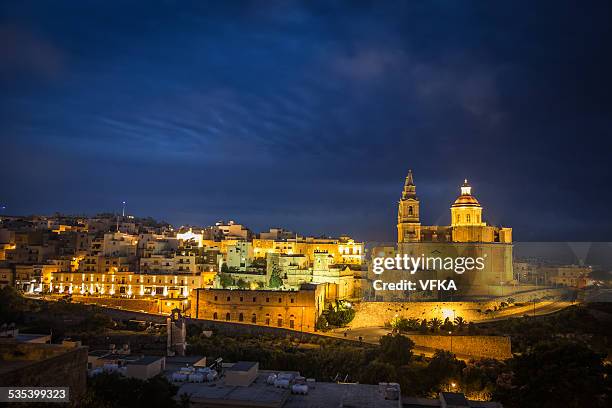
<point>378,371</point>
<point>434,324</point>
<point>322,324</point>
<point>447,325</point>
<point>480,377</point>
<point>339,315</point>
<point>424,326</point>
<point>460,323</point>
<point>224,268</point>
<point>442,369</point>
<point>114,390</point>
<point>242,284</point>
<point>413,324</point>
<point>259,263</point>
<point>557,374</point>
<point>225,280</point>
<point>396,349</point>
<point>275,278</point>
<point>402,324</point>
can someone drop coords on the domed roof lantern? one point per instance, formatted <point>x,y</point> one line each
<point>466,189</point>
<point>466,199</point>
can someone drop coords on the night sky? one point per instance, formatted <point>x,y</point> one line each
<point>308,115</point>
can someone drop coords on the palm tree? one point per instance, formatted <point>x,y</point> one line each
<point>413,323</point>
<point>423,326</point>
<point>435,324</point>
<point>460,323</point>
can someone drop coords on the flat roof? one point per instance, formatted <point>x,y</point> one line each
<point>145,360</point>
<point>257,394</point>
<point>31,336</point>
<point>455,398</point>
<point>242,366</point>
<point>119,356</point>
<point>98,353</point>
<point>261,394</point>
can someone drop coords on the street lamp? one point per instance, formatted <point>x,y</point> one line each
<point>451,337</point>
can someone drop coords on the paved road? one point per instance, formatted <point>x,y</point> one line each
<point>601,295</point>
<point>541,309</point>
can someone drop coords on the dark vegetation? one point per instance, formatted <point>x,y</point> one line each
<point>590,324</point>
<point>61,318</point>
<point>111,390</point>
<point>337,314</point>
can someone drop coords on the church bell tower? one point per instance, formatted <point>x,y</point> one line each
<point>408,222</point>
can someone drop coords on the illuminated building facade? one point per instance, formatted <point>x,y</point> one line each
<point>467,236</point>
<point>124,284</point>
<point>295,309</point>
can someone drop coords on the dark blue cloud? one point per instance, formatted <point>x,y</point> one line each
<point>308,114</point>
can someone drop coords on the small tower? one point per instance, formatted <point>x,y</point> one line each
<point>175,327</point>
<point>466,211</point>
<point>408,222</point>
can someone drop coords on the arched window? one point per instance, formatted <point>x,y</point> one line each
<point>267,319</point>
<point>254,318</point>
<point>228,317</point>
<point>215,316</point>
<point>279,321</point>
<point>292,321</point>
<point>240,317</point>
<point>410,210</point>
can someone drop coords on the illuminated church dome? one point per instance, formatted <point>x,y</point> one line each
<point>466,199</point>
<point>466,210</point>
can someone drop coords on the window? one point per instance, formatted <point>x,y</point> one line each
<point>240,317</point>
<point>267,319</point>
<point>228,317</point>
<point>279,321</point>
<point>292,300</point>
<point>280,300</point>
<point>254,299</point>
<point>229,298</point>
<point>467,218</point>
<point>291,322</point>
<point>458,218</point>
<point>410,210</point>
<point>215,316</point>
<point>216,298</point>
<point>267,300</point>
<point>241,298</point>
<point>254,318</point>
